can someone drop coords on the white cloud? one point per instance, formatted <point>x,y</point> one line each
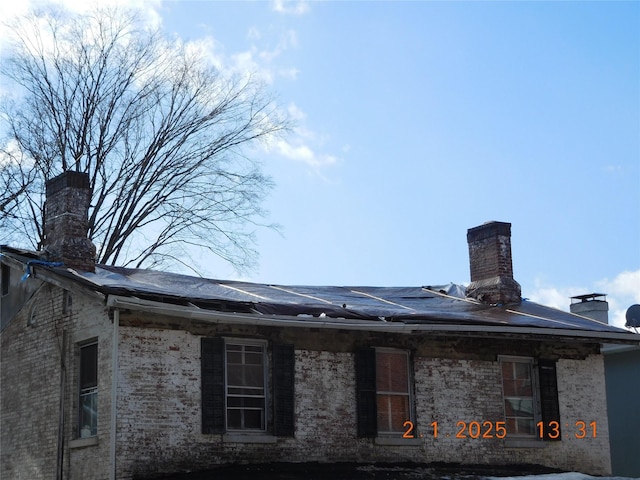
<point>296,113</point>
<point>301,152</point>
<point>148,9</point>
<point>622,291</point>
<point>290,73</point>
<point>303,144</point>
<point>260,62</point>
<point>292,7</point>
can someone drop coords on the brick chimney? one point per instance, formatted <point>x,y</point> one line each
<point>490,261</point>
<point>66,218</point>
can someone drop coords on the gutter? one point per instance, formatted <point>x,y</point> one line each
<point>195,313</point>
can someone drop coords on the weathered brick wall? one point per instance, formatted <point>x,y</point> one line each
<point>30,372</point>
<point>451,391</point>
<point>159,422</point>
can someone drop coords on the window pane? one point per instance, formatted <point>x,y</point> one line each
<point>393,411</point>
<point>391,372</point>
<point>234,357</point>
<point>253,419</point>
<point>525,426</point>
<point>520,407</point>
<point>89,414</point>
<point>252,402</point>
<point>253,376</point>
<point>522,370</point>
<point>234,374</point>
<point>253,358</point>
<point>234,419</point>
<point>89,366</point>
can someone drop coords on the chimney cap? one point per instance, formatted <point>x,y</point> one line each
<point>589,297</point>
<point>67,179</point>
<point>488,230</point>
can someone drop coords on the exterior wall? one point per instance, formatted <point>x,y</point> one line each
<point>159,398</point>
<point>159,406</point>
<point>31,372</point>
<point>623,395</point>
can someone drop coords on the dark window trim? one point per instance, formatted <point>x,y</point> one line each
<point>283,390</point>
<point>213,385</point>
<point>549,403</point>
<point>366,401</point>
<point>6,279</point>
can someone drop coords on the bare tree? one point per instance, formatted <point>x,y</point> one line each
<point>162,134</point>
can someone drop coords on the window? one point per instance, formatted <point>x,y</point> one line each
<point>242,391</point>
<point>383,391</point>
<point>518,395</point>
<point>530,395</point>
<point>246,395</point>
<point>392,388</point>
<point>88,391</point>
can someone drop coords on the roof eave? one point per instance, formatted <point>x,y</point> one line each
<point>195,313</point>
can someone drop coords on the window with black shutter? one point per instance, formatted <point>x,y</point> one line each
<point>383,391</point>
<point>530,396</point>
<point>235,390</point>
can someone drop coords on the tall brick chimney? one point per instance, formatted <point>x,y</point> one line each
<point>66,219</point>
<point>490,261</point>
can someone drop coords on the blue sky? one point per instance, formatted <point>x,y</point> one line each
<point>419,120</point>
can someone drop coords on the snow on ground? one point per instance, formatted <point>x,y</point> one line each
<point>561,476</point>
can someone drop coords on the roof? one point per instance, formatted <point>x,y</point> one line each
<point>406,309</point>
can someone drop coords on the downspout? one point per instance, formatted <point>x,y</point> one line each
<point>114,379</point>
<point>61,413</point>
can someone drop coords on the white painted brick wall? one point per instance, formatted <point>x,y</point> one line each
<point>159,405</point>
<point>159,411</point>
<point>30,371</point>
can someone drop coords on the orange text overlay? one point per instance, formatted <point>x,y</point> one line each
<point>491,429</point>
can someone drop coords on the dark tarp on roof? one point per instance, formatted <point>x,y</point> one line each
<point>442,304</point>
<point>433,304</point>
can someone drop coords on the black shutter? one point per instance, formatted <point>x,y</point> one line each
<point>283,390</point>
<point>213,378</point>
<point>366,392</point>
<point>549,396</point>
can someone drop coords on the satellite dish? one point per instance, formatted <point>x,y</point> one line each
<point>633,316</point>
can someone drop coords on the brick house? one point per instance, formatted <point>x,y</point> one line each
<point>110,372</point>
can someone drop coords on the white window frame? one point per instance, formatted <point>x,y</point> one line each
<point>535,391</point>
<point>265,370</point>
<point>409,393</point>
<point>93,391</point>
